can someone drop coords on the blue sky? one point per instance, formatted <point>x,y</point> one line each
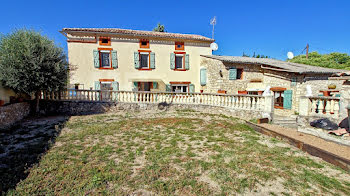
<point>270,27</point>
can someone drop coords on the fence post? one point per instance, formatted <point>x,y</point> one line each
<point>304,106</point>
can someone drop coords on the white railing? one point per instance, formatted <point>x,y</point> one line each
<point>324,105</point>
<point>320,106</point>
<point>244,102</point>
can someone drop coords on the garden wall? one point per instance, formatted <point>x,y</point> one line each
<point>89,107</point>
<point>11,114</point>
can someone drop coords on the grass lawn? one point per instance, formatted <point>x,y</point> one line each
<point>175,153</point>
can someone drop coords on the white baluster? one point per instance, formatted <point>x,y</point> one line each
<point>320,107</point>
<point>336,108</point>
<point>328,107</point>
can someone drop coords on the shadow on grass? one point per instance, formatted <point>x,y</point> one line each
<point>23,145</point>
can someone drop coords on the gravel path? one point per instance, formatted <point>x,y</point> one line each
<point>337,149</point>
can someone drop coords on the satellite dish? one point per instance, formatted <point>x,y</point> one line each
<point>214,46</point>
<point>290,55</point>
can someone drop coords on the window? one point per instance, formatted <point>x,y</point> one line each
<point>278,96</point>
<point>106,85</point>
<point>253,93</point>
<point>239,74</point>
<point>144,43</point>
<point>179,88</point>
<point>105,41</point>
<point>144,60</point>
<point>105,58</point>
<point>179,61</point>
<point>179,46</point>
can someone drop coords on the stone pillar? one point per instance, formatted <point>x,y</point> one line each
<point>269,105</point>
<point>304,106</point>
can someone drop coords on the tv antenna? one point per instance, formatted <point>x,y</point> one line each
<point>213,22</point>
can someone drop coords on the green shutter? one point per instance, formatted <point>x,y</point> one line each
<point>155,85</point>
<point>96,59</point>
<point>191,88</point>
<point>287,99</point>
<point>136,85</point>
<point>187,61</point>
<point>172,60</point>
<point>137,60</point>
<point>115,86</point>
<point>168,88</point>
<point>97,85</point>
<point>114,59</point>
<point>153,60</point>
<point>203,76</point>
<point>294,81</point>
<point>232,74</point>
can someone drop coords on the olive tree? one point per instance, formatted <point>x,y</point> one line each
<point>31,63</point>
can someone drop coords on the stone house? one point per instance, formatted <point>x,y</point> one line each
<point>5,94</point>
<point>126,60</point>
<point>287,81</point>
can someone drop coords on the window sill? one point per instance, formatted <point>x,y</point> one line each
<point>145,69</point>
<point>278,107</point>
<point>180,69</point>
<point>106,68</point>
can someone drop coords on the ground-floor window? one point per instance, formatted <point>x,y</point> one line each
<point>179,88</point>
<point>278,96</point>
<point>106,86</point>
<point>255,92</point>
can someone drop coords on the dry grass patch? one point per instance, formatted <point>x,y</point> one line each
<point>181,153</point>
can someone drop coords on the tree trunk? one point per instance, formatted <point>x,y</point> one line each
<point>37,98</point>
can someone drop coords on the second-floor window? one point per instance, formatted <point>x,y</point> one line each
<point>179,61</point>
<point>144,60</point>
<point>105,58</point>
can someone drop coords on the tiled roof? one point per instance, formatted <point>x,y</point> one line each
<point>139,33</point>
<point>279,65</point>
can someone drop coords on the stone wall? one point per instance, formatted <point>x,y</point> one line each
<point>11,114</point>
<point>89,107</point>
<point>271,78</point>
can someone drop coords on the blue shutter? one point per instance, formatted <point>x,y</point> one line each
<point>203,76</point>
<point>136,85</point>
<point>287,99</point>
<point>155,85</point>
<point>172,60</point>
<point>168,88</point>
<point>191,90</point>
<point>187,61</point>
<point>153,60</point>
<point>115,86</point>
<point>96,59</point>
<point>97,87</point>
<point>232,74</point>
<point>294,81</point>
<point>137,60</point>
<point>114,59</point>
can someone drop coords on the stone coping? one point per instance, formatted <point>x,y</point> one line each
<point>324,135</point>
